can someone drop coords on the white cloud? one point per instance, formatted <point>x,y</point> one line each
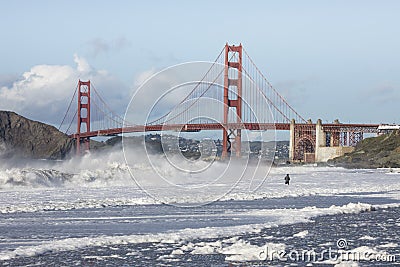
<point>82,65</point>
<point>44,92</point>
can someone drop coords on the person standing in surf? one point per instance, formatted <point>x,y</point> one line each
<point>287,179</point>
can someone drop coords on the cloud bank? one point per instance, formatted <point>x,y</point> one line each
<point>44,92</point>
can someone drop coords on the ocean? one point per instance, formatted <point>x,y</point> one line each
<point>100,211</point>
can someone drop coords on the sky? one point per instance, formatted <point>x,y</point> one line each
<point>329,59</point>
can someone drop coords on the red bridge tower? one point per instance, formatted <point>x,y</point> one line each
<point>232,99</point>
<point>83,115</point>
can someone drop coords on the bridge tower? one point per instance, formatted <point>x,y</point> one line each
<point>83,115</point>
<point>232,137</point>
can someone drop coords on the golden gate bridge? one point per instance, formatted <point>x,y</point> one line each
<point>247,100</point>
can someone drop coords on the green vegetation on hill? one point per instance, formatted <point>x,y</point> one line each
<point>376,152</point>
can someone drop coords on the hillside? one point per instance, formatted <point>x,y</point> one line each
<point>375,152</point>
<point>21,137</point>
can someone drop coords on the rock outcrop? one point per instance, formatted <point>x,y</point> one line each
<point>21,137</point>
<point>376,152</point>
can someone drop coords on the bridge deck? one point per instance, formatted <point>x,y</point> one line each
<point>367,128</point>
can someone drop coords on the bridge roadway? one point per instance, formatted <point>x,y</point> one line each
<point>365,128</point>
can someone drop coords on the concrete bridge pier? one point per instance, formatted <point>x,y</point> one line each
<point>292,140</point>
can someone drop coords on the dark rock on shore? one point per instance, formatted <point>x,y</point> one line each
<point>376,152</point>
<point>21,137</point>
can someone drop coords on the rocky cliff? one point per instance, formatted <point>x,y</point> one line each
<point>375,152</point>
<point>22,137</point>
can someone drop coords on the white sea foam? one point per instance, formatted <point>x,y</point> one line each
<point>389,245</point>
<point>301,234</point>
<point>32,190</point>
<point>367,237</point>
<point>278,217</point>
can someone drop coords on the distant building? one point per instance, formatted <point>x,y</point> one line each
<point>387,128</point>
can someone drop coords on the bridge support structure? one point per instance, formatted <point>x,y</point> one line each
<point>232,138</point>
<point>83,115</point>
<point>320,142</point>
<point>302,142</point>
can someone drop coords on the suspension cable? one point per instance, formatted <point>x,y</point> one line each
<point>69,106</point>
<point>197,99</point>
<point>197,85</point>
<point>270,85</point>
